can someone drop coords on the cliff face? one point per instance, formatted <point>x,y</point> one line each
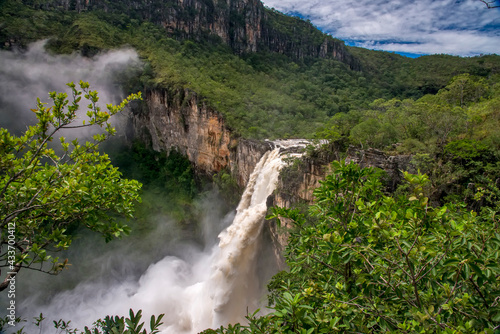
<point>178,120</point>
<point>298,182</point>
<point>244,25</point>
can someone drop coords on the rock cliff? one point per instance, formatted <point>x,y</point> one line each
<point>179,120</point>
<point>298,180</point>
<point>244,25</point>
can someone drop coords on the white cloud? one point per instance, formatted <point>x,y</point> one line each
<point>459,27</point>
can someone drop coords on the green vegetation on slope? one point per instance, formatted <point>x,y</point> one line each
<point>453,135</point>
<point>261,95</point>
<point>362,261</point>
<point>169,186</point>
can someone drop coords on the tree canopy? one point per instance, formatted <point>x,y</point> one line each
<point>362,261</point>
<point>48,192</point>
<point>261,95</point>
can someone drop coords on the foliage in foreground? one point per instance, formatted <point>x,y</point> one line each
<point>365,262</point>
<point>110,325</point>
<point>46,193</point>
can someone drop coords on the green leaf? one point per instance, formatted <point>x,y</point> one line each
<point>476,269</point>
<point>451,262</point>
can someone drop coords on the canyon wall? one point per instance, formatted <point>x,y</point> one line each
<point>244,25</point>
<point>298,181</point>
<point>180,120</point>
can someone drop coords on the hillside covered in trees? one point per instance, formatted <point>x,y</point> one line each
<point>264,90</point>
<point>422,259</point>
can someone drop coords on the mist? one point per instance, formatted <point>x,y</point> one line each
<point>26,75</point>
<point>162,267</point>
<point>202,278</point>
<point>150,270</point>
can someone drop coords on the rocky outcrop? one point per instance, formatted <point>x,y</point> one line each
<point>298,181</point>
<point>179,120</point>
<point>244,25</point>
<point>393,165</point>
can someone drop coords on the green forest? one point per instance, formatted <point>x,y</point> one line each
<point>421,259</point>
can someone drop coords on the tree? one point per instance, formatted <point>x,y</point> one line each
<point>370,262</point>
<point>46,194</point>
<point>362,261</point>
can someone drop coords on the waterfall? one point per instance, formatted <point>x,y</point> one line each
<point>234,271</point>
<point>203,289</point>
<point>232,288</point>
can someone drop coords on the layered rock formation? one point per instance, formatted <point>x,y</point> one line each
<point>244,25</point>
<point>179,120</point>
<point>298,181</point>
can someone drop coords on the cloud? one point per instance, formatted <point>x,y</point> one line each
<point>458,27</point>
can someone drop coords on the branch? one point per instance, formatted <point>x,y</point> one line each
<point>388,261</point>
<point>452,290</point>
<point>36,155</point>
<point>324,263</point>
<point>489,4</point>
<point>413,277</point>
<point>9,276</point>
<point>428,271</point>
<point>27,207</point>
<point>479,292</point>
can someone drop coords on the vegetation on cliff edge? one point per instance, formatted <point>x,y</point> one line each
<point>261,95</point>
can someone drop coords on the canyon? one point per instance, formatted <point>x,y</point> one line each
<point>246,26</point>
<point>180,120</point>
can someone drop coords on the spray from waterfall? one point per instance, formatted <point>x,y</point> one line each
<point>196,290</point>
<point>231,287</point>
<point>234,277</point>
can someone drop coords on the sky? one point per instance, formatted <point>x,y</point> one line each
<point>408,27</point>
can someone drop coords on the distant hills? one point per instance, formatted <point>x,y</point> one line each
<point>269,74</point>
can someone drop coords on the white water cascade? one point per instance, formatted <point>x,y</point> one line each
<point>232,288</point>
<point>208,288</point>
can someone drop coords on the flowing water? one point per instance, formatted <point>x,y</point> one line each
<point>230,288</point>
<point>202,289</point>
<point>195,289</point>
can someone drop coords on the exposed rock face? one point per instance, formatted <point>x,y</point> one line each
<point>179,120</point>
<point>244,25</point>
<point>297,184</point>
<point>392,165</point>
